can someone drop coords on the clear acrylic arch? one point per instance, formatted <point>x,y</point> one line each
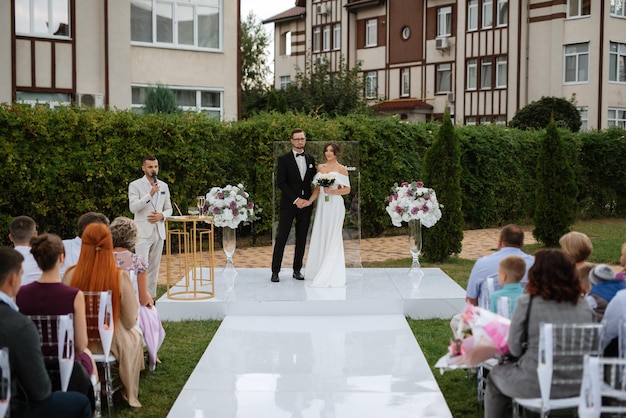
<point>349,156</point>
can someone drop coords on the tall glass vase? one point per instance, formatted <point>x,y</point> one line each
<point>229,244</point>
<point>415,243</point>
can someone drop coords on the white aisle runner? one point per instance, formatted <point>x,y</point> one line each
<point>348,366</point>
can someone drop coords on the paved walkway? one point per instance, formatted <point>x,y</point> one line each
<point>476,243</point>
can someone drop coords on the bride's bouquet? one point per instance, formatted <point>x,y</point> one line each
<point>325,180</point>
<point>230,205</point>
<point>479,335</point>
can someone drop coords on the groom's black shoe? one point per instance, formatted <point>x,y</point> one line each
<point>298,276</point>
<point>275,278</point>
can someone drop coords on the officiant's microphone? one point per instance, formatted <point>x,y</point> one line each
<point>154,178</point>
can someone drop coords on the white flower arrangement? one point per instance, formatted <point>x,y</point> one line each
<point>230,206</point>
<point>411,201</point>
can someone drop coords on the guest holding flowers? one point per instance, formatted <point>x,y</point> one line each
<point>553,295</point>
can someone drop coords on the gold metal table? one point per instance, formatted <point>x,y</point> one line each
<point>190,257</point>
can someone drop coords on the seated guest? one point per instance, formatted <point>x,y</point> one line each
<point>21,230</point>
<point>604,286</point>
<point>578,247</point>
<point>510,243</point>
<point>510,274</point>
<point>553,295</point>
<point>31,394</point>
<point>622,261</point>
<point>97,271</point>
<point>124,233</point>
<point>48,296</point>
<point>72,246</point>
<point>614,314</point>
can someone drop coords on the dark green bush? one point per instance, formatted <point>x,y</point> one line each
<point>537,114</point>
<point>58,164</point>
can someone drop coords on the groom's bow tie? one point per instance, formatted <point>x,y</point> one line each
<point>300,155</point>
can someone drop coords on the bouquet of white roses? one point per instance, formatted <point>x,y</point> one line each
<point>325,180</point>
<point>411,201</point>
<point>230,205</point>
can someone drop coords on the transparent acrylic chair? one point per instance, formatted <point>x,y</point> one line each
<point>603,387</point>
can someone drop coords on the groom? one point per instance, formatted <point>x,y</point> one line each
<point>294,176</point>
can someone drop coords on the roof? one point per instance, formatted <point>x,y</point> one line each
<point>398,104</point>
<point>290,14</point>
<point>355,4</point>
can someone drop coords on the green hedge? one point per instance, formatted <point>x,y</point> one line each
<point>58,164</point>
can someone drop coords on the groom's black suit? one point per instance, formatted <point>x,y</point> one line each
<point>292,186</point>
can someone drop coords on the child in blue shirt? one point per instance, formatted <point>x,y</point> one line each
<point>511,270</point>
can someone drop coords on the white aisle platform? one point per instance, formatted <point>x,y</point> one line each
<point>287,350</point>
<point>363,366</point>
<point>369,291</point>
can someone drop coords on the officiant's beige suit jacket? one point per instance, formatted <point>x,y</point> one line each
<point>141,204</point>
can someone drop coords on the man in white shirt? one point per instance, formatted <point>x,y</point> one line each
<point>72,246</point>
<point>21,230</point>
<point>149,200</point>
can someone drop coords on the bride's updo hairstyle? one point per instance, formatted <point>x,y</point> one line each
<point>334,145</point>
<point>46,249</point>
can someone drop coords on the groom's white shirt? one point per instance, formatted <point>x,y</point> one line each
<point>141,204</point>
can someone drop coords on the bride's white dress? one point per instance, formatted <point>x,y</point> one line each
<point>326,265</point>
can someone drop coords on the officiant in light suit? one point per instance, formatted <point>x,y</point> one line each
<point>149,200</point>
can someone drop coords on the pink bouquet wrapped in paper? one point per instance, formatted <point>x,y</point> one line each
<point>478,336</point>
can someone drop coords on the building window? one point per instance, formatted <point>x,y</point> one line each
<point>42,18</point>
<point>285,44</point>
<point>405,82</point>
<point>285,80</point>
<point>180,23</point>
<point>39,98</point>
<point>487,13</point>
<point>326,38</point>
<point>371,32</point>
<point>337,36</point>
<point>501,72</point>
<point>470,121</point>
<point>577,63</point>
<point>584,117</point>
<point>503,12</point>
<point>444,78</point>
<point>618,8</point>
<point>371,84</point>
<point>208,102</point>
<point>485,73</point>
<point>617,117</point>
<point>578,8</point>
<point>444,21</point>
<point>501,120</point>
<point>317,34</point>
<point>472,74</point>
<point>485,120</point>
<point>472,15</point>
<point>617,62</point>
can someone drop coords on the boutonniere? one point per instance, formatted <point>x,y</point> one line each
<point>310,165</point>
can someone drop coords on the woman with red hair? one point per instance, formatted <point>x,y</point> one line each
<point>554,294</point>
<point>97,271</point>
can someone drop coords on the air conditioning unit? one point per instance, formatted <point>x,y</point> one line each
<point>318,60</point>
<point>451,97</point>
<point>322,9</point>
<point>441,43</point>
<point>91,100</point>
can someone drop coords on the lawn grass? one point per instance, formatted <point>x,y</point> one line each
<point>186,341</point>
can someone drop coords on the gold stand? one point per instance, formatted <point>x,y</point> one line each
<point>194,239</point>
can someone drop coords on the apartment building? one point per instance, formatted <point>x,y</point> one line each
<point>107,53</point>
<point>484,58</point>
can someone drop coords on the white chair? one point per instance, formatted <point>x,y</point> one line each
<point>487,287</point>
<point>603,388</point>
<point>100,327</point>
<point>505,307</point>
<point>562,348</point>
<point>5,381</point>
<point>621,339</point>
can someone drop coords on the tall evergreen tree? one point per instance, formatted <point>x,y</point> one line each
<point>442,172</point>
<point>556,192</point>
<point>160,99</point>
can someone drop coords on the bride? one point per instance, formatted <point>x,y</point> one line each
<point>326,265</point>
